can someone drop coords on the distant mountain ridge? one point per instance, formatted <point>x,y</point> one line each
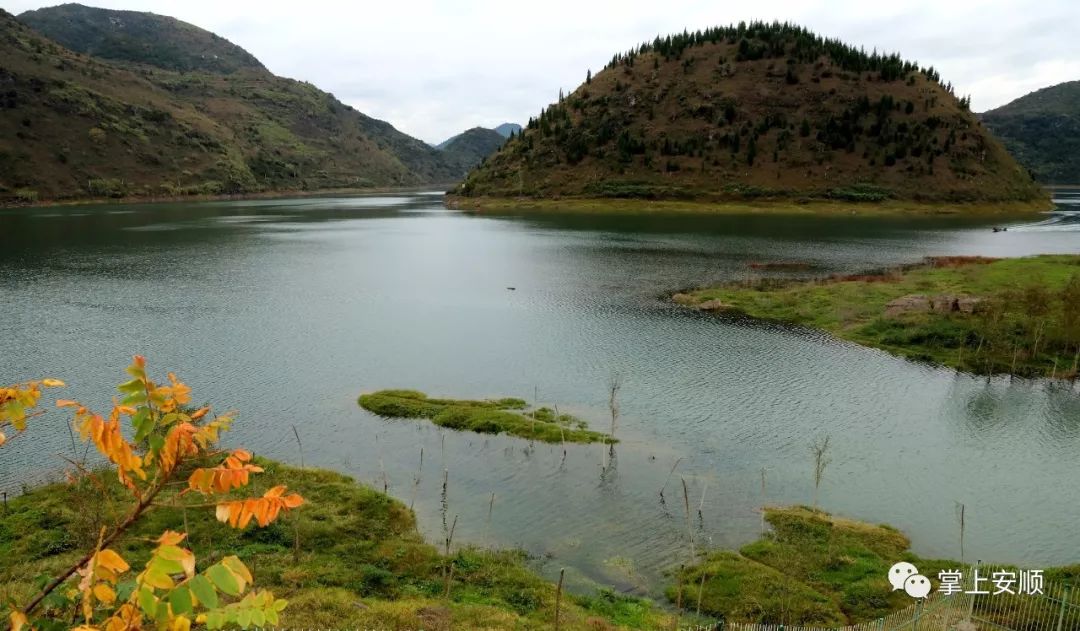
<point>471,147</point>
<point>145,38</point>
<point>507,128</point>
<point>76,126</point>
<point>1042,129</point>
<point>757,111</point>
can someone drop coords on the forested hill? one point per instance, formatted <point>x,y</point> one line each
<point>471,147</point>
<point>77,126</point>
<point>1042,130</point>
<point>757,111</point>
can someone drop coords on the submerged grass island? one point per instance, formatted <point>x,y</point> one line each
<point>495,416</point>
<point>1018,316</point>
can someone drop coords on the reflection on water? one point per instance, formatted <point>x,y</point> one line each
<point>288,309</point>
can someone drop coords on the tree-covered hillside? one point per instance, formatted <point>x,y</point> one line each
<point>757,111</point>
<point>1042,130</point>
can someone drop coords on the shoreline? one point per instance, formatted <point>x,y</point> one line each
<point>586,205</point>
<point>946,311</point>
<point>166,199</point>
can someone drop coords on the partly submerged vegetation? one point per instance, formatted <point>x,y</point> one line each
<point>811,568</point>
<point>1018,316</point>
<point>497,416</point>
<point>351,558</point>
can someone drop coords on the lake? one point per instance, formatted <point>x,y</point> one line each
<point>287,310</point>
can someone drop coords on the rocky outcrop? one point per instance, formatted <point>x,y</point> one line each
<point>943,303</point>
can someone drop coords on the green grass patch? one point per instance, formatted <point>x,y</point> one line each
<point>350,557</point>
<point>812,568</point>
<point>1026,322</point>
<point>497,416</point>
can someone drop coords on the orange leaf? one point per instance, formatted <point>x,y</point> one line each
<point>199,413</point>
<point>19,620</point>
<point>170,538</point>
<point>111,561</point>
<point>104,593</point>
<point>66,403</point>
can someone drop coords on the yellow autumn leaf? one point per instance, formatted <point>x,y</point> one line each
<point>3,439</point>
<point>19,620</point>
<point>104,593</point>
<point>112,561</point>
<point>53,383</point>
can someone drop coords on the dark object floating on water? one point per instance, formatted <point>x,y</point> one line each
<point>1000,229</point>
<point>511,288</point>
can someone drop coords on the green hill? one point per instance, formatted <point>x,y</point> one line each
<point>471,147</point>
<point>758,111</point>
<point>1042,130</point>
<point>76,126</point>
<point>144,38</point>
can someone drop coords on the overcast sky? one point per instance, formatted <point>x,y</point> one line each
<point>433,69</point>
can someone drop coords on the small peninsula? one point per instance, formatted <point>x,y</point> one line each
<point>1018,316</point>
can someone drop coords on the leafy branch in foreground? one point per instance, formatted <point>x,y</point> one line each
<point>169,441</point>
<point>17,401</point>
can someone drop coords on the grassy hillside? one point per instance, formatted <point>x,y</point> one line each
<point>75,126</point>
<point>757,111</point>
<point>1042,130</point>
<point>1018,316</point>
<point>473,146</point>
<point>349,558</point>
<point>144,38</point>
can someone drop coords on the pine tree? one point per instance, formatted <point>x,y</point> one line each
<point>588,77</point>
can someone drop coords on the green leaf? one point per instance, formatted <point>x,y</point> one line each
<point>147,601</point>
<point>131,386</point>
<point>215,619</point>
<point>243,618</point>
<point>180,600</point>
<point>156,442</point>
<point>165,566</point>
<point>143,423</point>
<point>223,579</point>
<point>258,618</point>
<point>124,589</point>
<point>134,398</point>
<point>204,591</point>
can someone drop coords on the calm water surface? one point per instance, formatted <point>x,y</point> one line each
<point>288,309</point>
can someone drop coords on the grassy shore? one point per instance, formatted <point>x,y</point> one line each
<point>785,206</point>
<point>1025,317</point>
<point>349,558</point>
<point>158,199</point>
<point>813,568</point>
<point>501,416</point>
